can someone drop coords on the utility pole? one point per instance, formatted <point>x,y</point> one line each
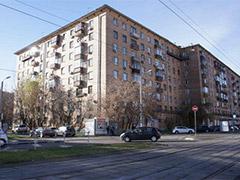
<point>1,101</point>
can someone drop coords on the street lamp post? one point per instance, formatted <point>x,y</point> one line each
<point>140,96</point>
<point>1,101</point>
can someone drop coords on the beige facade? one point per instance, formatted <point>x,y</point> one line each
<point>87,54</point>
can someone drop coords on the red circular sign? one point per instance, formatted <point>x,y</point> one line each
<point>194,108</point>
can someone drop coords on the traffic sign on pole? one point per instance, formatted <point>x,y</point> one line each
<point>194,108</point>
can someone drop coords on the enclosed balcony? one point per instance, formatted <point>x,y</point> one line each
<point>80,67</point>
<point>80,92</point>
<point>55,65</point>
<point>136,67</point>
<point>159,76</point>
<point>156,44</point>
<point>134,35</point>
<point>80,29</point>
<point>82,83</point>
<point>134,46</point>
<point>56,41</point>
<point>35,63</point>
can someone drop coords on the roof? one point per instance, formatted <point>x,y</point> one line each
<point>200,46</point>
<point>67,26</point>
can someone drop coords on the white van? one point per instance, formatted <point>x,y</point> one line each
<point>224,126</point>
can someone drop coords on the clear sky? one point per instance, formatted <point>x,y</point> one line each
<point>220,18</point>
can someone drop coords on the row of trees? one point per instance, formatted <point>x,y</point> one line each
<point>121,105</point>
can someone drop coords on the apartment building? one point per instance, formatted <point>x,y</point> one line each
<point>104,46</point>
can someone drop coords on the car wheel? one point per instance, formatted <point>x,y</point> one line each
<point>127,139</point>
<point>176,132</point>
<point>190,132</point>
<point>2,142</point>
<point>154,139</point>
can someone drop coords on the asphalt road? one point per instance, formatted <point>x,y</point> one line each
<point>210,157</point>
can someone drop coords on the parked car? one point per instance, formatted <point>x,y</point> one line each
<point>20,129</point>
<point>234,128</point>
<point>67,130</point>
<point>182,130</point>
<point>214,128</point>
<point>3,138</point>
<point>142,133</point>
<point>203,128</point>
<point>44,132</point>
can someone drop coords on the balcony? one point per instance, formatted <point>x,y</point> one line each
<point>81,68</point>
<point>35,63</point>
<point>80,83</point>
<point>80,29</point>
<point>159,89</point>
<point>135,35</point>
<point>56,42</point>
<point>136,67</point>
<point>159,76</point>
<point>80,57</point>
<point>159,66</point>
<point>156,44</point>
<point>80,93</point>
<point>134,46</point>
<point>158,55</point>
<point>55,66</point>
<point>205,90</point>
<point>26,57</point>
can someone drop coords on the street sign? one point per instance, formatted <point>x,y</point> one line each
<point>194,108</point>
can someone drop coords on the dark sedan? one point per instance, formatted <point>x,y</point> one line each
<point>142,133</point>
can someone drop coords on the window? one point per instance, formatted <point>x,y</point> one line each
<point>64,47</point>
<point>89,89</point>
<point>69,81</point>
<point>115,47</point>
<point>115,21</point>
<point>133,29</point>
<point>90,24</point>
<point>70,68</point>
<point>124,64</point>
<point>124,51</point>
<point>71,44</point>
<point>142,57</point>
<point>71,56</point>
<point>90,49</point>
<point>124,26</point>
<point>149,50</point>
<point>63,36</point>
<point>125,76</point>
<point>71,32</point>
<point>124,38</point>
<point>136,77</point>
<point>142,47</point>
<point>90,37</point>
<point>63,58</point>
<point>148,39</point>
<point>62,71</point>
<point>48,55</point>
<point>90,62</point>
<point>141,35</point>
<point>90,75</point>
<point>149,60</point>
<point>115,60</point>
<point>115,74</point>
<point>115,35</point>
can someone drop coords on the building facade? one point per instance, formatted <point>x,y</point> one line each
<point>104,46</point>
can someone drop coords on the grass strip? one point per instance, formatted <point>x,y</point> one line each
<point>10,157</point>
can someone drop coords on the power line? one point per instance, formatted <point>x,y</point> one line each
<point>41,10</point>
<point>196,31</point>
<point>9,70</point>
<point>28,14</point>
<point>195,23</point>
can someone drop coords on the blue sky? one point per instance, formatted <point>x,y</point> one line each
<point>220,18</point>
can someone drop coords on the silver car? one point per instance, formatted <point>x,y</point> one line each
<point>182,130</point>
<point>3,138</point>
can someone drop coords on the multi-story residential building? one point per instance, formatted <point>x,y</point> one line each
<point>105,45</point>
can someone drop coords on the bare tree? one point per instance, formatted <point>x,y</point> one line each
<point>123,105</point>
<point>8,103</point>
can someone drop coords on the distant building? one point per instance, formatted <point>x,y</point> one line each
<point>104,46</point>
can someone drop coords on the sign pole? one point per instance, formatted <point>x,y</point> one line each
<point>195,122</point>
